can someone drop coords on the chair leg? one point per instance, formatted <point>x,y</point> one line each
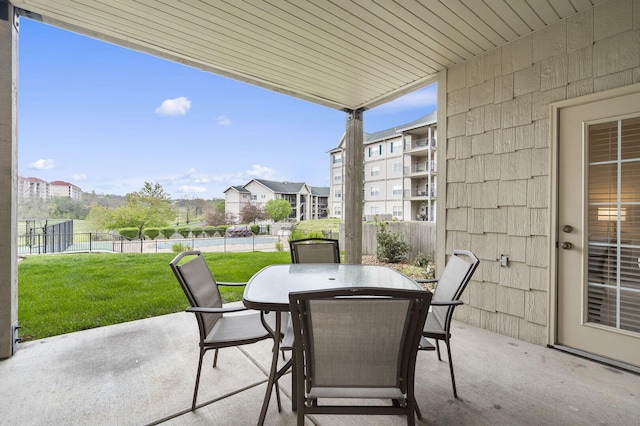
<point>453,378</point>
<point>294,383</point>
<point>278,397</point>
<point>215,358</point>
<point>438,349</point>
<point>417,408</point>
<point>195,390</point>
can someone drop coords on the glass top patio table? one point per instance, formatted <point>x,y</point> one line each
<point>268,290</point>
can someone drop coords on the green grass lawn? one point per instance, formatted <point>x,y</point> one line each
<point>60,294</point>
<point>319,225</point>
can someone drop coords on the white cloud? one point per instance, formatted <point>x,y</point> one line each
<point>240,178</point>
<point>260,172</point>
<point>426,97</point>
<point>177,106</point>
<point>78,177</point>
<point>223,120</point>
<point>193,175</point>
<point>43,165</point>
<point>192,188</point>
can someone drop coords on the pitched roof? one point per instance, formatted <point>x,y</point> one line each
<point>320,191</point>
<point>425,120</point>
<point>237,188</point>
<point>281,187</point>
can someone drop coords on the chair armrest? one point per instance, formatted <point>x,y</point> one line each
<point>452,303</point>
<point>230,283</point>
<point>201,310</point>
<point>426,281</point>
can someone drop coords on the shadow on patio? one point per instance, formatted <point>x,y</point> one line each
<point>143,372</point>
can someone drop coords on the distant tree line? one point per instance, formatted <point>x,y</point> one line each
<point>150,208</point>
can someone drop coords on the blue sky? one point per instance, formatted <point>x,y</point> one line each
<point>107,119</point>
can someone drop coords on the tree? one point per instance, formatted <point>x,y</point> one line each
<point>251,213</point>
<point>68,208</point>
<point>32,209</point>
<point>278,209</point>
<point>153,192</point>
<point>219,206</point>
<point>213,217</point>
<point>149,207</point>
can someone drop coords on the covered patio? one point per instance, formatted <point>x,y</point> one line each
<point>501,67</point>
<point>143,372</point>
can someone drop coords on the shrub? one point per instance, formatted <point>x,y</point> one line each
<point>392,247</point>
<point>279,246</point>
<point>184,232</point>
<point>196,232</point>
<point>298,235</point>
<point>255,229</point>
<point>130,233</point>
<point>179,247</point>
<point>152,232</point>
<point>212,230</point>
<point>167,232</point>
<point>422,260</point>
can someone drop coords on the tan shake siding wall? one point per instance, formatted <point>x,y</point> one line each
<point>498,155</point>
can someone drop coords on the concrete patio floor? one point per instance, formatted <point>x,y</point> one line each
<point>143,372</point>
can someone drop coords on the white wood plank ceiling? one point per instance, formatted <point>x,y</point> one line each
<point>338,53</point>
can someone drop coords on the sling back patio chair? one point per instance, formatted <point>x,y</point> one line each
<point>217,329</point>
<point>357,343</point>
<point>449,288</point>
<point>314,250</point>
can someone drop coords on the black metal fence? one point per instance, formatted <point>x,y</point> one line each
<point>105,242</point>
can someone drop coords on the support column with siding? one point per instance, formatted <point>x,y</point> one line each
<point>354,169</point>
<point>8,176</point>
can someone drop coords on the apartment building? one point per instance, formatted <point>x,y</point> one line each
<point>307,202</point>
<point>399,172</point>
<point>32,188</point>
<point>65,189</point>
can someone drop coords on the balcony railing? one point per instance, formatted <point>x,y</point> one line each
<point>420,168</point>
<point>420,144</point>
<point>417,193</point>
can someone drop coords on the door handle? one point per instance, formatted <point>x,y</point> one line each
<point>567,228</point>
<point>567,245</point>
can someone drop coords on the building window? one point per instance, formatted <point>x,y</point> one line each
<point>375,151</point>
<point>263,196</point>
<point>337,193</point>
<point>337,178</point>
<point>254,198</point>
<point>337,211</point>
<point>397,211</point>
<point>375,171</point>
<point>375,210</point>
<point>337,158</point>
<point>397,189</point>
<point>397,167</point>
<point>375,191</point>
<point>244,195</point>
<point>396,146</point>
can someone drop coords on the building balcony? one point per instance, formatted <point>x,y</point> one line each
<point>419,169</point>
<point>419,195</point>
<point>420,145</point>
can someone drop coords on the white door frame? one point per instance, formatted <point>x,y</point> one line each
<point>553,181</point>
